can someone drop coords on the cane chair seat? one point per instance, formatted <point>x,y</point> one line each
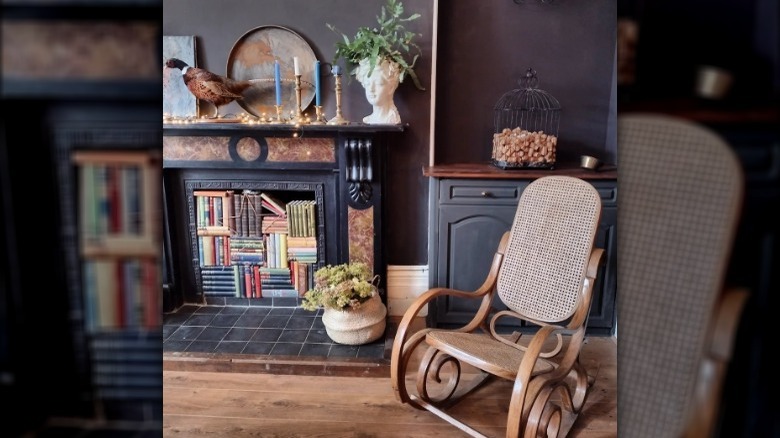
<point>484,352</point>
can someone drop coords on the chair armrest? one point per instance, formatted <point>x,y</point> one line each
<point>727,319</point>
<point>714,364</point>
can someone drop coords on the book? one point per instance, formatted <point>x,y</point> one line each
<point>301,278</point>
<point>273,204</point>
<point>258,283</point>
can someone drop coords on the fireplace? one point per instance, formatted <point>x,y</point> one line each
<point>337,172</point>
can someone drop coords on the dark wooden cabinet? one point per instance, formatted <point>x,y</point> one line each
<point>472,206</point>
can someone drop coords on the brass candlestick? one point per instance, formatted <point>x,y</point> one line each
<point>299,118</point>
<point>279,118</point>
<point>319,117</point>
<point>338,119</point>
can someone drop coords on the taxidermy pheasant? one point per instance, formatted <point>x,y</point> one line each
<point>211,87</point>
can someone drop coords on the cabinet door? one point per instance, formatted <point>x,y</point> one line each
<point>468,237</point>
<point>602,308</point>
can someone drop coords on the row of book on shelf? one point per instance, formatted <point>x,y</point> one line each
<point>121,292</point>
<point>119,250</point>
<point>253,245</point>
<point>252,213</point>
<point>246,280</point>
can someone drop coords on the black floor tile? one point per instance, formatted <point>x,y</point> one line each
<point>168,330</point>
<point>267,335</point>
<point>372,350</point>
<point>282,311</point>
<point>293,336</point>
<point>175,318</point>
<point>249,321</point>
<point>318,337</point>
<point>341,350</point>
<point>230,347</point>
<point>258,348</point>
<point>315,350</point>
<point>274,321</point>
<point>202,346</point>
<point>299,323</point>
<point>175,346</point>
<point>185,333</point>
<point>286,349</point>
<point>212,334</point>
<point>199,319</point>
<point>233,310</point>
<point>221,320</point>
<point>239,334</point>
<point>211,310</point>
<point>257,311</point>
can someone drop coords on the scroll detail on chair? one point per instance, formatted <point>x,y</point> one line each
<point>543,272</point>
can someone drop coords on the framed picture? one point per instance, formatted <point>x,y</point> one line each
<point>177,99</point>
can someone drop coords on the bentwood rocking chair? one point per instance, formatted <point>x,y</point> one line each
<point>543,272</point>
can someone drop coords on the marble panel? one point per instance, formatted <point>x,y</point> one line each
<point>34,49</point>
<point>196,148</point>
<point>360,224</point>
<point>312,150</point>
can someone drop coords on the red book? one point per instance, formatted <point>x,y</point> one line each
<point>119,272</point>
<point>258,283</point>
<point>248,281</point>
<point>114,200</point>
<point>151,287</point>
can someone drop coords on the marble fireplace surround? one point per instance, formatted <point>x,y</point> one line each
<point>343,166</point>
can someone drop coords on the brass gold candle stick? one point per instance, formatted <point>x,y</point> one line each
<point>319,117</point>
<point>278,114</point>
<point>338,119</point>
<point>299,118</point>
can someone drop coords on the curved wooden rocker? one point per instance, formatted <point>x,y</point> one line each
<point>543,271</point>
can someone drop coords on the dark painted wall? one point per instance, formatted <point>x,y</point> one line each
<point>484,46</point>
<point>483,51</point>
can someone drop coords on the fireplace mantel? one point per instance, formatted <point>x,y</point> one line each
<point>342,165</point>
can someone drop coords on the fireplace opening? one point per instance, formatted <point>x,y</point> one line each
<point>251,304</point>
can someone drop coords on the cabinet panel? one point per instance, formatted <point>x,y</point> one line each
<point>467,227</point>
<point>469,236</point>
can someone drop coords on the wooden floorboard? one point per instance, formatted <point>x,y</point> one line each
<point>235,404</point>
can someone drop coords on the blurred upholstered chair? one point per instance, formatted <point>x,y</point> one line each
<point>681,188</point>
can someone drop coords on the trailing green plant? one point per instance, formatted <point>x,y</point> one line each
<point>390,40</point>
<point>343,286</point>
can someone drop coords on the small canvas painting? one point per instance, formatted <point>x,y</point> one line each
<point>177,99</point>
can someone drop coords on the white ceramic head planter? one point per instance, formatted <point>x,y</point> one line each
<point>380,88</point>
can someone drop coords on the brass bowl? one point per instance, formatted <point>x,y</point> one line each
<point>590,163</point>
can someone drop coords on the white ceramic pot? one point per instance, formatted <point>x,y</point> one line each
<point>357,326</point>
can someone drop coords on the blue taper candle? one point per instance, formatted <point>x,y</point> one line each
<point>317,82</point>
<point>278,81</point>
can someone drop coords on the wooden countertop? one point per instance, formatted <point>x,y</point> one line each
<point>489,171</point>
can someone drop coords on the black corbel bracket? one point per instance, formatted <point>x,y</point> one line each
<point>359,171</point>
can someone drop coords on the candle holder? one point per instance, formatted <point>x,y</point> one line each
<point>279,118</point>
<point>299,118</point>
<point>319,117</point>
<point>338,119</point>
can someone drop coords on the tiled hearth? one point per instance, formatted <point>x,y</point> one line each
<point>290,337</point>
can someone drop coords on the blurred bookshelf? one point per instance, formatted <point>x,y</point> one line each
<point>108,172</point>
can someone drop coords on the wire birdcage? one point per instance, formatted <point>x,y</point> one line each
<point>526,124</point>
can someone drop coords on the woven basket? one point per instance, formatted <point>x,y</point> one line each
<point>357,326</point>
